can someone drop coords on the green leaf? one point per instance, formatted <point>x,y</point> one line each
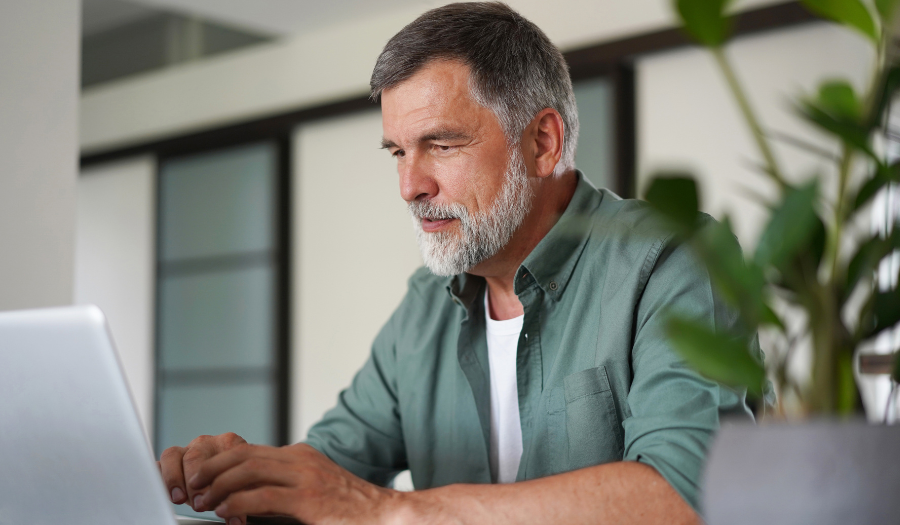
<point>817,241</point>
<point>739,284</point>
<point>869,190</point>
<point>717,356</point>
<point>771,318</point>
<point>884,175</point>
<point>886,9</point>
<point>863,263</point>
<point>851,132</point>
<point>838,99</point>
<point>851,13</point>
<point>887,84</point>
<point>705,20</point>
<point>791,227</point>
<point>886,309</point>
<point>867,257</point>
<point>674,195</point>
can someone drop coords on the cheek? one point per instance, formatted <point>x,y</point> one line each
<point>455,177</point>
<point>488,184</point>
<point>471,180</point>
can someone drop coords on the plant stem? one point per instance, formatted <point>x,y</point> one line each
<point>744,103</point>
<point>820,310</point>
<point>840,213</point>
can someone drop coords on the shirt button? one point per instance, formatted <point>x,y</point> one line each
<point>553,285</point>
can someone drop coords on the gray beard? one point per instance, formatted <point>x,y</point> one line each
<point>480,235</point>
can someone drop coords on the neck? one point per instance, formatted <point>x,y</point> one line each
<point>552,196</point>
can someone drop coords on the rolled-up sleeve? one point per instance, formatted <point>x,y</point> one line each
<point>362,433</point>
<point>674,412</point>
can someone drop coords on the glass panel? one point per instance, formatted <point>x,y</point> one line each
<point>218,319</point>
<point>188,411</point>
<point>217,203</point>
<point>595,139</point>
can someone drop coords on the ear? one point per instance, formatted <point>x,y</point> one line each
<point>545,134</point>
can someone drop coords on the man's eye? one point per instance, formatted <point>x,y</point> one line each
<point>398,153</point>
<point>444,147</point>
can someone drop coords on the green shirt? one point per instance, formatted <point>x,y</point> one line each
<point>597,379</point>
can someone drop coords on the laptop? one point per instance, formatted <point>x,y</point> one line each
<point>72,449</point>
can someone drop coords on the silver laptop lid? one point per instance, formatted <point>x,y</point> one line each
<point>72,449</point>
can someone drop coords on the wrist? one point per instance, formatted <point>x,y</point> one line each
<point>399,508</point>
<point>436,506</point>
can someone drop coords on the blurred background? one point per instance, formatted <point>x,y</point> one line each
<point>208,173</point>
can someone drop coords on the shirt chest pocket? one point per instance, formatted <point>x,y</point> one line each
<point>584,429</point>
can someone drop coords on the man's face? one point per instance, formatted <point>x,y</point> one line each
<point>467,192</point>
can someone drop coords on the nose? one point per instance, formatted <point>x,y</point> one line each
<point>416,180</point>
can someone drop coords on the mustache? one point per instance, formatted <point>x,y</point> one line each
<point>430,210</point>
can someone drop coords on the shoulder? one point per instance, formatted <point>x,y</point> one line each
<point>628,230</point>
<point>423,282</point>
<point>631,234</point>
<point>426,295</point>
<point>631,219</point>
<point>634,221</point>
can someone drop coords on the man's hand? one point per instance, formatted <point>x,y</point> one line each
<point>295,480</point>
<point>178,464</point>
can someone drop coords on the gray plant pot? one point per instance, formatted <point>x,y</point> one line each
<point>821,472</point>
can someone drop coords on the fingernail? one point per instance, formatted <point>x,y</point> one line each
<point>222,509</point>
<point>193,480</point>
<point>177,495</point>
<point>234,521</point>
<point>198,501</point>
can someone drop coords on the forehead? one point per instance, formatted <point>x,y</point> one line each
<point>436,96</point>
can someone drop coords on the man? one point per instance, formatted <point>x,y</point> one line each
<point>530,350</point>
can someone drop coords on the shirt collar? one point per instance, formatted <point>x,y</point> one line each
<point>553,260</point>
<point>464,288</point>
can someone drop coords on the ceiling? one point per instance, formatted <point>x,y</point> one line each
<point>273,17</point>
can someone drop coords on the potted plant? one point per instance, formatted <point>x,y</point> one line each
<point>811,262</point>
<point>803,261</point>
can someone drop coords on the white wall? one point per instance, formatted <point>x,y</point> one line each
<point>114,264</point>
<point>309,69</point>
<point>39,45</point>
<point>688,118</point>
<point>354,249</point>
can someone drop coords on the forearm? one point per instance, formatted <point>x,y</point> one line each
<point>622,492</point>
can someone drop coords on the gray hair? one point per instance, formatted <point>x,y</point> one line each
<point>515,70</point>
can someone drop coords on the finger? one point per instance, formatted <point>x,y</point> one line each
<point>266,500</point>
<point>252,473</point>
<point>198,451</point>
<point>214,467</point>
<point>170,467</point>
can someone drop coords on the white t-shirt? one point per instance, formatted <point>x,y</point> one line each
<point>506,428</point>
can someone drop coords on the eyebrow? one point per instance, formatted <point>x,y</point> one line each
<point>439,134</point>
